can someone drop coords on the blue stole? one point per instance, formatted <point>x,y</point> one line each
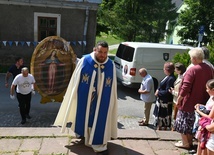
<point>89,65</point>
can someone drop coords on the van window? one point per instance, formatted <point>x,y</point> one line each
<point>125,52</point>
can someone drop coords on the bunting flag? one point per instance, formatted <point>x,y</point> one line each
<point>22,43</point>
<point>16,42</point>
<point>10,43</point>
<point>28,43</point>
<point>74,43</point>
<point>4,42</point>
<point>34,43</point>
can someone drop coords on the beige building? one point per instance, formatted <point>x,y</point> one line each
<point>173,38</point>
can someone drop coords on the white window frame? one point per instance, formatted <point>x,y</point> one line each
<point>38,14</point>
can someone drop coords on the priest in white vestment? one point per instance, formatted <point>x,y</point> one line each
<point>90,101</point>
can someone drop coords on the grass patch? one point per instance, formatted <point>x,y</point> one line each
<point>113,51</point>
<point>110,39</point>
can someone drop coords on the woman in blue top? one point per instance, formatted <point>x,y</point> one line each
<point>163,107</point>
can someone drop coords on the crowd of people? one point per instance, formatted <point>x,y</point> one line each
<point>183,104</point>
<point>90,101</point>
<point>189,97</point>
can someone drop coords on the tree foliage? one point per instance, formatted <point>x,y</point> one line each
<point>197,13</point>
<point>185,58</point>
<point>136,20</point>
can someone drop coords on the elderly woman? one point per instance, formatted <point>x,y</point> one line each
<point>163,107</point>
<point>179,70</point>
<point>191,92</point>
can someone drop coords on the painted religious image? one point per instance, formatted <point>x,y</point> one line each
<point>52,66</point>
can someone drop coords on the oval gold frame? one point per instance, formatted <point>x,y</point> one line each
<point>63,65</point>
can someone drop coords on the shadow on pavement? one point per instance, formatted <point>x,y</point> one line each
<point>120,125</point>
<point>113,149</point>
<point>123,92</point>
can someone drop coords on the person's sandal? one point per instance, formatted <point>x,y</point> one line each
<point>143,124</point>
<point>141,121</point>
<point>180,144</point>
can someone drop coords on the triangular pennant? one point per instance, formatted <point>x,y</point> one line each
<point>10,43</point>
<point>80,42</point>
<point>4,42</point>
<point>84,42</point>
<point>35,43</point>
<point>28,43</point>
<point>74,43</point>
<point>66,46</point>
<point>16,42</point>
<point>22,43</point>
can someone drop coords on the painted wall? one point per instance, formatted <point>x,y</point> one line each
<point>17,30</point>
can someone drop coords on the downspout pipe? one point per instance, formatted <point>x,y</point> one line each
<point>85,30</point>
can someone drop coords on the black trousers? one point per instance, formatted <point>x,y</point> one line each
<point>24,104</point>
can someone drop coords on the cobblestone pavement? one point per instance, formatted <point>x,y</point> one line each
<point>12,119</point>
<point>43,115</point>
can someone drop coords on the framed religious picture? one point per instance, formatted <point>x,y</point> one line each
<point>52,65</point>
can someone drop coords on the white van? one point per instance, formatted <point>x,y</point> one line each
<point>131,56</point>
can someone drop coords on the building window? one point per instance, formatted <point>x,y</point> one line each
<point>46,27</point>
<point>46,24</point>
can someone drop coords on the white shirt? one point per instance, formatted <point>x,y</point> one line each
<point>209,103</point>
<point>24,84</point>
<point>148,85</point>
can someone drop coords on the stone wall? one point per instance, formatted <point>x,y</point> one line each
<point>17,24</point>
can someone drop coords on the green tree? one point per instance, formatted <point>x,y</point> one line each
<point>197,13</point>
<point>185,58</point>
<point>136,20</point>
<point>102,17</point>
<point>211,49</point>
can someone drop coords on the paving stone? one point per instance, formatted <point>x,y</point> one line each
<point>167,152</point>
<point>137,134</point>
<point>160,147</point>
<point>30,132</point>
<point>11,145</point>
<point>54,146</point>
<point>168,135</point>
<point>33,144</point>
<point>137,147</point>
